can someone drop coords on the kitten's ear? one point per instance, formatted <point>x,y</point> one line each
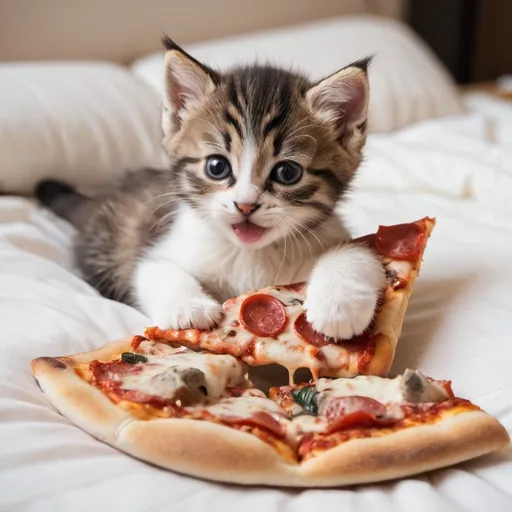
<point>342,98</point>
<point>187,83</point>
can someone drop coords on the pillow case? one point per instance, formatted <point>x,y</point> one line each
<point>408,83</point>
<point>82,122</point>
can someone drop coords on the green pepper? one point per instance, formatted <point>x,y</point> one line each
<point>307,398</point>
<point>131,358</point>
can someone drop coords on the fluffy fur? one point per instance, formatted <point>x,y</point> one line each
<point>178,242</point>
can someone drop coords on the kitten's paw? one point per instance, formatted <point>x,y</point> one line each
<point>189,313</point>
<point>343,292</point>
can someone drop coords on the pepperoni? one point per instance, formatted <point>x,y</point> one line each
<point>134,395</point>
<point>400,242</point>
<point>259,419</point>
<point>366,355</point>
<point>107,377</point>
<point>447,385</point>
<point>343,405</point>
<point>350,411</point>
<point>110,371</point>
<point>358,342</point>
<point>305,330</point>
<point>296,287</point>
<point>263,315</point>
<point>136,341</point>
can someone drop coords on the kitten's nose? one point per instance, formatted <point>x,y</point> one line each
<point>245,208</point>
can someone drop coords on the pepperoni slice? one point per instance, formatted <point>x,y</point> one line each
<point>400,242</point>
<point>113,370</point>
<point>305,330</point>
<point>296,287</point>
<point>350,411</point>
<point>136,341</point>
<point>342,405</point>
<point>263,315</point>
<point>261,419</point>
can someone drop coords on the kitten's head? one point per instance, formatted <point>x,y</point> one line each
<point>260,152</point>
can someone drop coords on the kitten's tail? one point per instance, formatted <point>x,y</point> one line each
<point>62,199</point>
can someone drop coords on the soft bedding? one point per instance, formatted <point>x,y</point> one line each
<point>457,168</point>
<point>461,305</point>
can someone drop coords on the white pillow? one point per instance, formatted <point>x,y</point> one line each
<point>408,83</point>
<point>82,122</point>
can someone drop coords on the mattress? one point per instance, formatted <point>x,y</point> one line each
<point>458,327</point>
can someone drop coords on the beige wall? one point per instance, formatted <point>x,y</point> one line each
<point>122,30</point>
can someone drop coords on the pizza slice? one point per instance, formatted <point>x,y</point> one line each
<point>270,326</point>
<point>197,413</point>
<point>370,428</point>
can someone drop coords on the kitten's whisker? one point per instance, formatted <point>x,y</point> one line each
<point>312,233</point>
<point>162,206</point>
<point>215,128</point>
<point>305,240</point>
<point>160,221</point>
<point>290,139</point>
<point>293,132</point>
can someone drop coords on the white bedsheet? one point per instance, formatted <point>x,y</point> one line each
<point>458,326</point>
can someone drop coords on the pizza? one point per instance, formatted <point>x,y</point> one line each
<point>197,413</point>
<point>270,326</point>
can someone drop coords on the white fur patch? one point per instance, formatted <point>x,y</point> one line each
<point>245,191</point>
<point>174,280</point>
<point>343,291</point>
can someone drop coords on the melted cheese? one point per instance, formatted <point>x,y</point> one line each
<point>245,407</point>
<point>401,268</point>
<point>411,387</point>
<point>158,377</point>
<point>382,390</point>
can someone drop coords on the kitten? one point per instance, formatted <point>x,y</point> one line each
<point>260,158</point>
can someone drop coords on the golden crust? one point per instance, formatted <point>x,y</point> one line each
<point>390,319</point>
<point>207,450</point>
<point>85,405</point>
<point>218,452</point>
<point>407,452</point>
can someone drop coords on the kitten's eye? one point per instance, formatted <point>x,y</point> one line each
<point>217,167</point>
<point>287,173</point>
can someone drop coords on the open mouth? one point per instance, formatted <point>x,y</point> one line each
<point>248,232</point>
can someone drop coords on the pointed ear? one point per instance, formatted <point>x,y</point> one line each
<point>342,98</point>
<point>187,83</point>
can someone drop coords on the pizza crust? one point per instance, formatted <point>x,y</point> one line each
<point>217,452</point>
<point>85,405</point>
<point>207,450</point>
<point>389,321</point>
<point>411,451</point>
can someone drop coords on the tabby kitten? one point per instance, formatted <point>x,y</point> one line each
<point>260,158</point>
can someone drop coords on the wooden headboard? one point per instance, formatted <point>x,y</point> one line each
<point>123,30</point>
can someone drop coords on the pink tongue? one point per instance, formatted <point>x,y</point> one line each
<point>247,231</point>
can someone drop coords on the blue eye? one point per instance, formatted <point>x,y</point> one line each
<point>286,173</point>
<point>217,167</point>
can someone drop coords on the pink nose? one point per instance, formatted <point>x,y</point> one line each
<point>246,209</point>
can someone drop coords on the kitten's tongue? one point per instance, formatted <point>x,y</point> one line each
<point>247,231</point>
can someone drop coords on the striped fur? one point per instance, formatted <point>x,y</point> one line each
<point>255,117</point>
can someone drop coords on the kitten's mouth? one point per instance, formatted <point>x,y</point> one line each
<point>248,232</point>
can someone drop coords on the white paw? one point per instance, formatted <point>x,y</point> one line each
<point>194,312</point>
<point>343,291</point>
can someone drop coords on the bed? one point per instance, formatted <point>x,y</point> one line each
<point>434,153</point>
